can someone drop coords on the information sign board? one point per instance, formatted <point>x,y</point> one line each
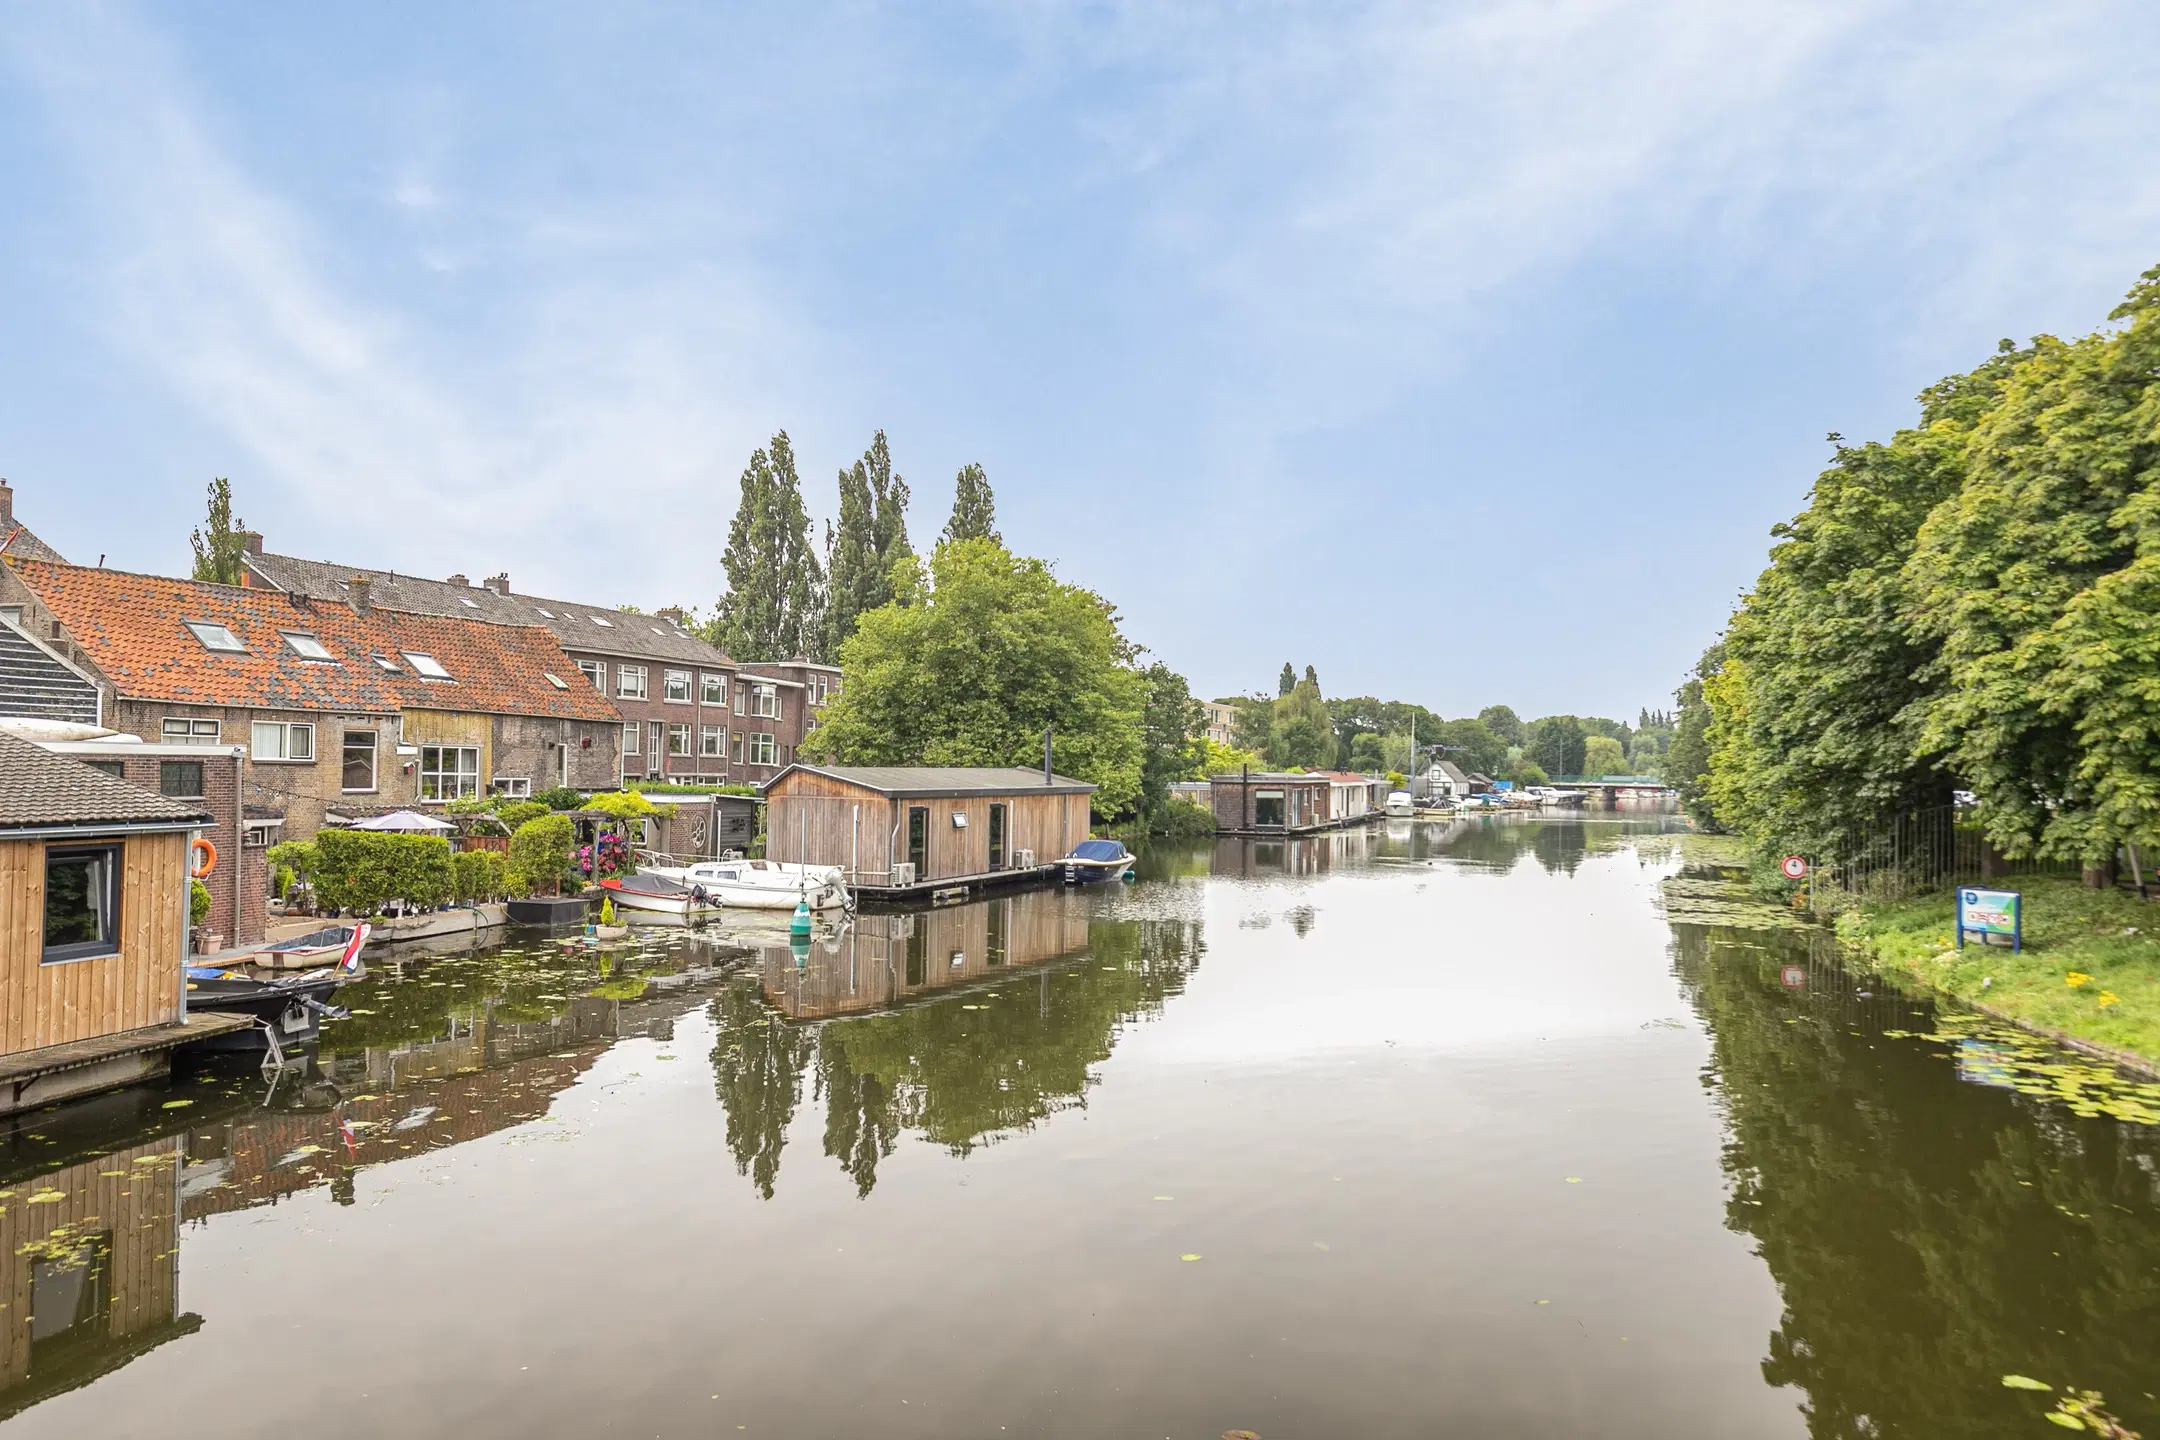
<point>1991,912</point>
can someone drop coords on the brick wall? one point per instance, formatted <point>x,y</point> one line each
<point>240,882</point>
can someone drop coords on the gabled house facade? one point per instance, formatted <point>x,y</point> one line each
<point>687,715</point>
<point>336,703</point>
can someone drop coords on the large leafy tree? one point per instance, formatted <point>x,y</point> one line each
<point>974,509</point>
<point>1300,733</point>
<point>1474,746</point>
<point>869,540</point>
<point>221,541</point>
<point>1172,729</point>
<point>971,664</point>
<point>1503,722</point>
<point>772,607</point>
<point>1287,681</point>
<point>1555,745</point>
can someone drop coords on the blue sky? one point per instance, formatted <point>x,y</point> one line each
<point>1465,351</point>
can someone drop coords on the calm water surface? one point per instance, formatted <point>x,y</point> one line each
<point>1431,1130</point>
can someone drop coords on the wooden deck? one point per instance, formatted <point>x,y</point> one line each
<point>29,1078</point>
<point>954,888</point>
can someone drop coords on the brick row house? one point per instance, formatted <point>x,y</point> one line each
<point>690,713</point>
<point>341,706</point>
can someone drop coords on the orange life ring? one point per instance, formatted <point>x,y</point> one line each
<point>209,860</point>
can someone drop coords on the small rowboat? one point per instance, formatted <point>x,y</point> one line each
<point>643,898</point>
<point>318,947</point>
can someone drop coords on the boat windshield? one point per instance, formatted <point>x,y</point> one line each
<point>1099,850</point>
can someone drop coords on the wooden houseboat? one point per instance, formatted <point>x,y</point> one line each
<point>908,832</point>
<point>94,896</point>
<point>1253,802</point>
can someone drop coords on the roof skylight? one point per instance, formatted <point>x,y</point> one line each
<point>545,611</point>
<point>425,664</point>
<point>384,662</point>
<point>555,680</point>
<point>215,637</point>
<point>468,602</point>
<point>307,647</point>
<point>607,624</point>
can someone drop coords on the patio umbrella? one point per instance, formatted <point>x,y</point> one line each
<point>404,820</point>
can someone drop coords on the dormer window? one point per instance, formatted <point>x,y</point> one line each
<point>385,664</point>
<point>307,647</point>
<point>216,637</point>
<point>425,665</point>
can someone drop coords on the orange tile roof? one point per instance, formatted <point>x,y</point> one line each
<point>131,628</point>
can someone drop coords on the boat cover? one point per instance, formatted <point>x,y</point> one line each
<point>1098,850</point>
<point>334,936</point>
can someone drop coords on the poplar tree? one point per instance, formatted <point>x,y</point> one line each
<point>1287,681</point>
<point>871,537</point>
<point>974,511</point>
<point>773,604</point>
<point>218,552</point>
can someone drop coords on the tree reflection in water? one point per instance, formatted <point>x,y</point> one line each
<point>964,1068</point>
<point>1928,1235</point>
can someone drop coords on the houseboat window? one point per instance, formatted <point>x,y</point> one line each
<point>630,682</point>
<point>553,679</point>
<point>449,772</point>
<point>517,787</point>
<point>763,750</point>
<point>216,637</point>
<point>307,647</point>
<point>595,672</point>
<point>712,740</point>
<point>735,747</point>
<point>1267,807</point>
<point>918,841</point>
<point>276,740</point>
<point>181,727</point>
<point>115,768</point>
<point>181,779</point>
<point>997,837</point>
<point>714,688</point>
<point>675,687</point>
<point>359,766</point>
<point>70,1294</point>
<point>425,665</point>
<point>678,739</point>
<point>385,663</point>
<point>629,738</point>
<point>82,902</point>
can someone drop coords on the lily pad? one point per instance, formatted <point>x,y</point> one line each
<point>2024,1382</point>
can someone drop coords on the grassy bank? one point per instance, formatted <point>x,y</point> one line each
<point>2090,970</point>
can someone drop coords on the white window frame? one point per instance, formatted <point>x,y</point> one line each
<point>595,671</point>
<point>288,731</point>
<point>426,666</point>
<point>765,701</point>
<point>764,749</point>
<point>712,689</point>
<point>712,740</point>
<point>459,776</point>
<point>679,740</point>
<point>297,641</point>
<point>735,747</point>
<point>517,787</point>
<point>624,675</point>
<point>630,737</point>
<point>668,681</point>
<point>180,729</point>
<point>374,749</point>
<point>211,642</point>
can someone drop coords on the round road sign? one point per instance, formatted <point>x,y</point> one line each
<point>1794,867</point>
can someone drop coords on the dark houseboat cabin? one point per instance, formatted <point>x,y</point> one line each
<point>1253,803</point>
<point>908,827</point>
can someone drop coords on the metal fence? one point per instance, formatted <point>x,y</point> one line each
<point>1923,850</point>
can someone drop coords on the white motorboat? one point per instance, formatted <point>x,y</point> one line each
<point>1401,804</point>
<point>760,884</point>
<point>646,897</point>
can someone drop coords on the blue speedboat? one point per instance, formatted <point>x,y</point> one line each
<point>1093,861</point>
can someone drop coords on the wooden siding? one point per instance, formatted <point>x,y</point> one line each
<point>885,959</point>
<point>824,808</point>
<point>132,1208</point>
<point>445,727</point>
<point>81,999</point>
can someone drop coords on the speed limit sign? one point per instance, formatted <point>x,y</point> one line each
<point>1794,867</point>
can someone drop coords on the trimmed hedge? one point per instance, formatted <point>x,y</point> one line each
<point>540,855</point>
<point>363,871</point>
<point>477,875</point>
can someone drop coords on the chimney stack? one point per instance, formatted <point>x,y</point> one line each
<point>458,580</point>
<point>7,507</point>
<point>500,583</point>
<point>672,614</point>
<point>253,541</point>
<point>358,585</point>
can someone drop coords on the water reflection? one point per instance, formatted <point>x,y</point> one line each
<point>990,1017</point>
<point>1928,1234</point>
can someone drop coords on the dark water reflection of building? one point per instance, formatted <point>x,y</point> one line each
<point>962,1025</point>
<point>1928,1234</point>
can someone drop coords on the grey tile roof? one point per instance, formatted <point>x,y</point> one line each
<point>932,780</point>
<point>640,637</point>
<point>34,684</point>
<point>39,788</point>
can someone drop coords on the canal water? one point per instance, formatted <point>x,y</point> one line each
<point>1432,1129</point>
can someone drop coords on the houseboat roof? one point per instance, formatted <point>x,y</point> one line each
<point>41,791</point>
<point>1272,777</point>
<point>908,782</point>
<point>580,626</point>
<point>190,642</point>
